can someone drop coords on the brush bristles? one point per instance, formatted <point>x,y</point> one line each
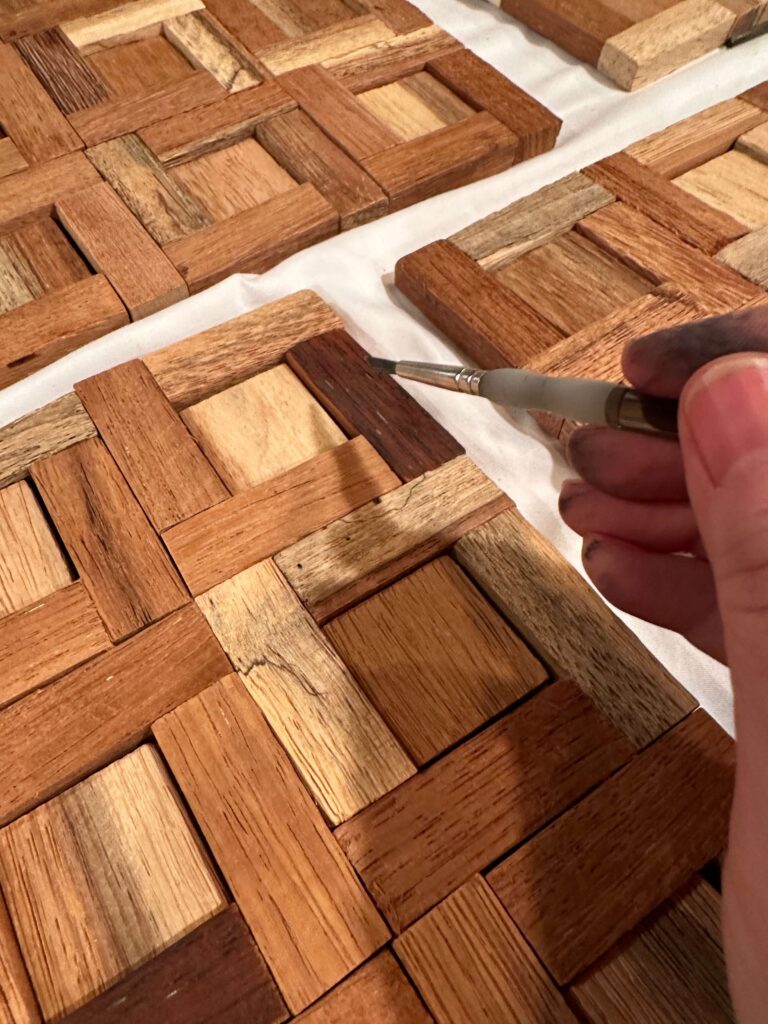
<point>382,365</point>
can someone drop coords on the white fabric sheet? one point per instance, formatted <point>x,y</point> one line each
<point>353,272</point>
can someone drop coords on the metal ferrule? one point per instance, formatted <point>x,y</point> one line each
<point>628,409</point>
<point>452,378</point>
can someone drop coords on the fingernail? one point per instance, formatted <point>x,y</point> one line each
<point>725,408</point>
<point>590,547</point>
<point>570,490</point>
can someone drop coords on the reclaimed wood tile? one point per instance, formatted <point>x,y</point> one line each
<point>601,867</point>
<point>163,466</point>
<point>334,367</point>
<point>572,629</point>
<point>471,963</point>
<point>70,82</point>
<point>377,993</point>
<point>139,67</point>
<point>118,555</point>
<point>735,183</point>
<point>33,193</point>
<point>31,564</point>
<point>57,264</point>
<point>356,555</point>
<point>671,968</point>
<point>38,434</point>
<point>391,59</point>
<point>102,877</point>
<point>216,969</point>
<point>416,845</point>
<point>415,106</point>
<point>261,428</point>
<point>340,746</point>
<point>47,638</point>
<point>313,48</point>
<point>206,44</point>
<point>255,524</point>
<point>310,916</point>
<point>117,246</point>
<point>435,659</point>
<point>17,1003</point>
<point>56,736</point>
<point>106,28</point>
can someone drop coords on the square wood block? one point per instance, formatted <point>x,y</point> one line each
<point>675,228</point>
<point>300,718</point>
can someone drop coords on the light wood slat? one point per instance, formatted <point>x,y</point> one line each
<point>206,363</point>
<point>415,106</point>
<point>44,13</point>
<point>128,21</point>
<point>385,62</point>
<point>671,969</point>
<point>735,183</point>
<point>44,432</point>
<point>119,557</point>
<point>54,737</point>
<point>48,638</point>
<point>421,842</point>
<point>754,143</point>
<point>314,48</point>
<point>57,263</point>
<point>204,43</point>
<point>103,877</point>
<point>31,194</point>
<point>608,861</point>
<point>17,1001</point>
<point>749,256</point>
<point>161,462</point>
<point>255,524</point>
<point>29,116</point>
<point>31,564</point>
<point>354,556</point>
<point>18,281</point>
<point>341,747</point>
<point>309,914</point>
<point>261,428</point>
<point>471,963</point>
<point>571,628</point>
<point>434,657</point>
<point>296,18</point>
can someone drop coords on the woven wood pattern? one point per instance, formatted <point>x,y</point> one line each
<point>675,228</point>
<point>300,723</point>
<point>149,149</point>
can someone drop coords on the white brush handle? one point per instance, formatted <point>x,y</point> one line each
<point>585,401</point>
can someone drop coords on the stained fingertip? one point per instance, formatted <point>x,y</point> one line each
<point>569,492</point>
<point>633,466</point>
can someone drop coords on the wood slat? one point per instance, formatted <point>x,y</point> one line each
<point>139,66</point>
<point>25,19</point>
<point>119,557</point>
<point>31,194</point>
<point>255,524</point>
<point>105,28</point>
<point>400,15</point>
<point>734,183</point>
<point>247,23</point>
<point>298,18</point>
<point>207,45</point>
<point>334,367</point>
<point>11,160</point>
<point>434,657</point>
<point>58,65</point>
<point>56,736</point>
<point>415,846</point>
<point>311,49</point>
<point>215,969</point>
<point>471,963</point>
<point>755,142</point>
<point>261,428</point>
<point>580,28</point>
<point>309,914</point>
<point>415,106</point>
<point>342,749</point>
<point>57,264</point>
<point>102,877</point>
<point>43,432</point>
<point>749,256</point>
<point>607,862</point>
<point>159,459</point>
<point>17,1004</point>
<point>392,59</point>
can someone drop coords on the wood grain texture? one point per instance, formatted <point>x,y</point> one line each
<point>374,545</point>
<point>56,736</point>
<point>471,963</point>
<point>103,877</point>
<point>26,18</point>
<point>117,246</point>
<point>602,866</point>
<point>139,67</point>
<point>46,639</point>
<point>11,160</point>
<point>297,18</point>
<point>222,356</point>
<point>57,264</point>
<point>456,155</point>
<point>216,969</point>
<point>103,29</point>
<point>400,15</point>
<point>228,181</point>
<point>415,106</point>
<point>749,256</point>
<point>334,367</point>
<point>205,43</point>
<point>246,22</point>
<point>18,281</point>
<point>310,916</point>
<point>255,240</point>
<point>652,48</point>
<point>306,152</point>
<point>47,430</point>
<point>261,428</point>
<point>672,968</point>
<point>640,186</point>
<point>118,555</point>
<point>698,138</point>
<point>486,320</point>
<point>340,746</point>
<point>434,657</point>
<point>755,142</point>
<point>377,993</point>
<point>17,1001</point>
<point>31,564</point>
<point>532,220</point>
<point>579,28</point>
<point>29,116</point>
<point>757,97</point>
<point>257,523</point>
<point>313,48</point>
<point>165,209</point>
<point>571,628</point>
<point>392,59</point>
<point>32,193</point>
<point>61,70</point>
<point>163,466</point>
<point>417,845</point>
<point>735,183</point>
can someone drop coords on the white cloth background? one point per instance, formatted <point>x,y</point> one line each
<point>353,272</point>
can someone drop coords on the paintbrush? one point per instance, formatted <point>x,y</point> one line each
<point>575,398</point>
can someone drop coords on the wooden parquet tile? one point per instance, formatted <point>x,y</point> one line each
<point>300,720</point>
<point>171,143</point>
<point>675,228</point>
